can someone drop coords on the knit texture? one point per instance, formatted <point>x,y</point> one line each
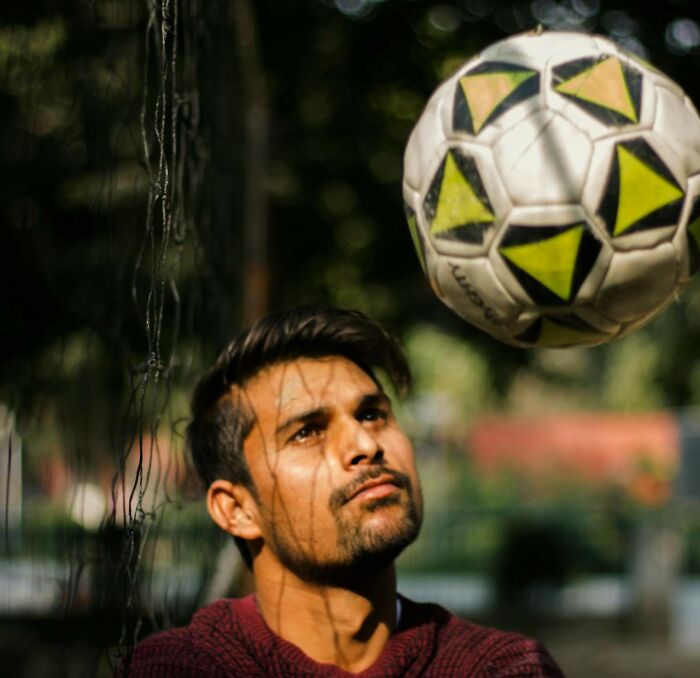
<point>230,638</point>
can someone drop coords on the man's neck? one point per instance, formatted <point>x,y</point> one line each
<point>347,627</point>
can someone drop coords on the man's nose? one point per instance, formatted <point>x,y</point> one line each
<point>360,446</point>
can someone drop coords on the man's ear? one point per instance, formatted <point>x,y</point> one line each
<point>233,509</point>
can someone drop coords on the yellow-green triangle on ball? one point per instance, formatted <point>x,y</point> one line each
<point>413,229</point>
<point>602,84</point>
<point>485,91</point>
<point>551,261</point>
<point>642,191</point>
<point>457,203</point>
<point>554,334</point>
<point>694,230</point>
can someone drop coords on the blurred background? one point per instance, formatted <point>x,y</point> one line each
<point>171,170</point>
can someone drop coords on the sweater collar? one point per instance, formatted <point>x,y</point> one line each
<point>407,653</point>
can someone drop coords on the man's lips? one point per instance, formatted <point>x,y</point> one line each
<point>375,488</point>
<point>371,483</point>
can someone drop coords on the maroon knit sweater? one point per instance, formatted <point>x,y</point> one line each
<point>230,638</point>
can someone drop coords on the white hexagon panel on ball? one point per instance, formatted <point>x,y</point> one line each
<point>543,160</point>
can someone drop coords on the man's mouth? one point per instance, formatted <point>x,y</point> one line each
<point>372,483</point>
<point>376,488</point>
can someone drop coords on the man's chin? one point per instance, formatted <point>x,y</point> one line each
<point>392,514</point>
<point>383,532</point>
<point>371,533</point>
<point>365,551</point>
<point>349,573</point>
<point>385,523</point>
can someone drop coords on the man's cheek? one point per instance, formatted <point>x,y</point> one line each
<point>305,485</point>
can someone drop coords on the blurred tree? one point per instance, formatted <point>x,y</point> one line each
<point>346,80</point>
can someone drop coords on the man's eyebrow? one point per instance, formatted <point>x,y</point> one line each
<point>374,400</point>
<point>301,418</point>
<point>369,400</point>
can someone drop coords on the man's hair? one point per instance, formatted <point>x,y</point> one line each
<point>221,421</point>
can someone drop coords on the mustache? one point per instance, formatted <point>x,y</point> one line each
<point>342,494</point>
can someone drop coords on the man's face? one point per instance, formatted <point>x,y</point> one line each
<point>337,487</point>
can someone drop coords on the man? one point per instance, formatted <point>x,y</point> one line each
<point>308,470</point>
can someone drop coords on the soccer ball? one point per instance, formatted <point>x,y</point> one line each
<point>552,190</point>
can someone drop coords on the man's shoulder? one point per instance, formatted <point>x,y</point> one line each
<point>500,653</point>
<point>462,644</point>
<point>202,648</point>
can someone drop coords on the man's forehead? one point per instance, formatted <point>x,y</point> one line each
<point>307,380</point>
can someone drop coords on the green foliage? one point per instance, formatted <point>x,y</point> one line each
<point>341,110</point>
<point>478,523</point>
<point>630,378</point>
<point>452,382</point>
<point>345,82</point>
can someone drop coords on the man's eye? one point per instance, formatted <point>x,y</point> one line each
<point>373,414</point>
<point>306,432</point>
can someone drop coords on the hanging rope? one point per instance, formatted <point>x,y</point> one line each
<point>168,128</point>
